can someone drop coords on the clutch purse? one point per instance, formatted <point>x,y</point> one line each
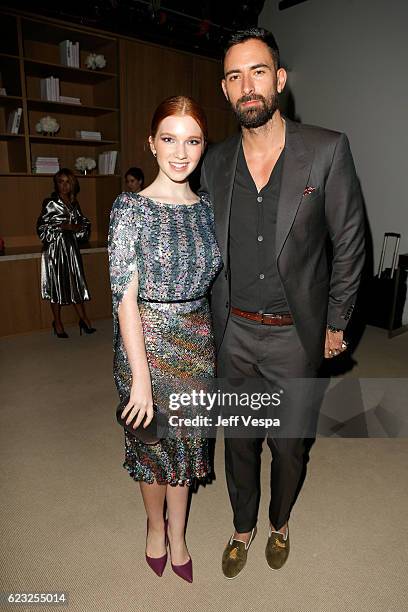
<point>153,433</point>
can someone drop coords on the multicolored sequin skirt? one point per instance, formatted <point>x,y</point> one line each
<point>179,347</point>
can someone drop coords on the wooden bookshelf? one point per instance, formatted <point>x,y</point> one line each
<point>29,51</point>
<point>75,75</point>
<point>75,141</point>
<point>75,109</point>
<point>117,101</point>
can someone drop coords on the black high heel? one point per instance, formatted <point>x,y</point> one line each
<point>58,334</point>
<point>84,327</point>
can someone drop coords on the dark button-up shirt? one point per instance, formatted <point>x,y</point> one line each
<point>255,282</point>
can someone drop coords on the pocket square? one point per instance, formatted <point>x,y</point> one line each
<point>309,190</point>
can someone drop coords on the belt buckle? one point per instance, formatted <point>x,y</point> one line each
<point>266,314</point>
<point>276,317</point>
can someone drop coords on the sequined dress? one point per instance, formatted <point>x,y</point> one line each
<point>173,249</point>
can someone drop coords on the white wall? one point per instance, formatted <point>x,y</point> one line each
<point>348,62</point>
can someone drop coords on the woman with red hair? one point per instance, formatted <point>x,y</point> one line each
<point>163,259</point>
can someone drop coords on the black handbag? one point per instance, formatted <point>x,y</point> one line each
<point>153,433</point>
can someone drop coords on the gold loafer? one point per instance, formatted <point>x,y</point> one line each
<point>277,549</point>
<point>235,556</point>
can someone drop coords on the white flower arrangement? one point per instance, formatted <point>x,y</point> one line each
<point>85,163</point>
<point>95,60</point>
<point>47,125</point>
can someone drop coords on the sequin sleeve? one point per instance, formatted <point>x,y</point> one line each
<point>124,229</point>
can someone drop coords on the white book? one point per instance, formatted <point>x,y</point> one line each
<point>76,54</point>
<point>17,120</point>
<point>63,49</point>
<point>69,100</point>
<point>43,89</point>
<point>112,161</point>
<point>10,122</point>
<point>49,88</point>
<point>57,89</point>
<point>54,89</point>
<point>47,162</point>
<point>102,163</point>
<point>88,135</point>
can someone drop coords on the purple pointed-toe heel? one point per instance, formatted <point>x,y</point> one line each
<point>185,571</point>
<point>157,563</point>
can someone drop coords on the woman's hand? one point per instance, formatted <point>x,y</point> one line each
<point>140,404</point>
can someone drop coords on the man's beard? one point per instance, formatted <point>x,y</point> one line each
<point>255,116</point>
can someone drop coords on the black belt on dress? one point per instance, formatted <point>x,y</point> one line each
<point>140,299</point>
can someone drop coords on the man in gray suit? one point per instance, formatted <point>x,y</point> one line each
<point>281,192</point>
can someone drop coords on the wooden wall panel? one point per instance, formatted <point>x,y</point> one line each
<point>207,83</point>
<point>97,277</point>
<point>148,75</point>
<point>22,200</point>
<point>20,309</point>
<point>24,310</point>
<point>221,124</point>
<point>106,192</point>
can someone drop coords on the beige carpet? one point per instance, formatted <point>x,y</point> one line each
<point>72,519</point>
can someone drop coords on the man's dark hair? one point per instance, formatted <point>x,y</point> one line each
<point>259,34</point>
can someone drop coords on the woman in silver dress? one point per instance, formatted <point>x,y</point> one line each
<point>60,226</point>
<point>163,259</point>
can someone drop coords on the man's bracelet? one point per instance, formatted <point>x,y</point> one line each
<point>334,329</point>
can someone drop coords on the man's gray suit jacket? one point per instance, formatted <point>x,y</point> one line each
<point>320,200</point>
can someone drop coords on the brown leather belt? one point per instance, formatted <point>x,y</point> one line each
<point>264,319</point>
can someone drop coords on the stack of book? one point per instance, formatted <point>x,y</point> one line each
<point>46,165</point>
<point>88,135</point>
<point>69,53</point>
<point>69,100</point>
<point>14,120</point>
<point>107,162</point>
<point>50,89</point>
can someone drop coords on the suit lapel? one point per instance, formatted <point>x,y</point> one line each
<point>223,194</point>
<point>295,175</point>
